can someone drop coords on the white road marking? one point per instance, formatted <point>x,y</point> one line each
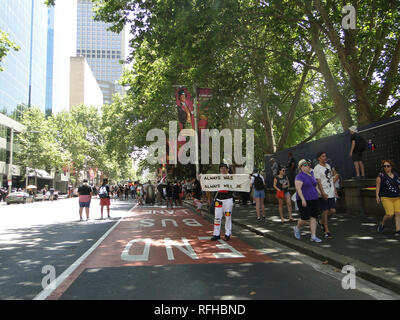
<point>46,292</point>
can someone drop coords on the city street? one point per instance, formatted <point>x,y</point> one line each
<point>151,253</point>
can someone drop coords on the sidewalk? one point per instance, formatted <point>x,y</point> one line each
<point>375,256</point>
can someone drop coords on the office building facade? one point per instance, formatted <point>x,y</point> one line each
<point>23,80</point>
<point>61,46</point>
<point>84,88</point>
<point>9,128</point>
<point>103,50</point>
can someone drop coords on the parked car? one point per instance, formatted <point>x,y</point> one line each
<point>47,196</point>
<point>17,197</point>
<point>39,197</point>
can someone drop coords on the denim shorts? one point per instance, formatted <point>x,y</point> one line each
<point>327,204</point>
<point>84,204</point>
<point>259,194</point>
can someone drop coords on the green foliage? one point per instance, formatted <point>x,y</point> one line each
<point>74,139</point>
<point>38,147</point>
<point>286,69</point>
<point>5,46</point>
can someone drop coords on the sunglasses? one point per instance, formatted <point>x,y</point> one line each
<point>386,166</point>
<point>306,164</point>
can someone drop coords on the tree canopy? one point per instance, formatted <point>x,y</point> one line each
<point>289,69</point>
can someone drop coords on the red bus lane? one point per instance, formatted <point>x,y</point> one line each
<point>159,236</point>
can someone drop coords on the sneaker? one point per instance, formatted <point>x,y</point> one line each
<point>227,238</point>
<point>258,219</point>
<point>328,235</point>
<point>296,233</point>
<point>315,239</point>
<point>215,238</point>
<point>381,227</point>
<point>397,233</point>
<point>263,218</point>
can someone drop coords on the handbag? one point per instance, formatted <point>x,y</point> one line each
<point>280,194</point>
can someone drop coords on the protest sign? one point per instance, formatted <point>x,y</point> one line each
<point>230,182</point>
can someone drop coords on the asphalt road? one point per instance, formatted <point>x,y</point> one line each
<point>151,254</point>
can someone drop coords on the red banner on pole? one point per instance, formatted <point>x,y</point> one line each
<point>204,96</point>
<point>185,109</point>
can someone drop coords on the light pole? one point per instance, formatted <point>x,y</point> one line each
<point>9,174</point>
<point>196,143</point>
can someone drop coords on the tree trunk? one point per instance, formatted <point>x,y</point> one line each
<point>267,122</point>
<point>340,104</point>
<point>349,61</point>
<point>292,110</point>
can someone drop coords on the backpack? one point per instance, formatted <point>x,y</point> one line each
<point>103,192</point>
<point>363,144</point>
<point>258,183</point>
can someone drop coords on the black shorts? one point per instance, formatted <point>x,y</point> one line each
<point>327,204</point>
<point>357,156</point>
<point>312,209</point>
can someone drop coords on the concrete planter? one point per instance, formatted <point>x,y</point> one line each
<point>370,207</point>
<point>361,201</point>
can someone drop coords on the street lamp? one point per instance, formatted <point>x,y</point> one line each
<point>9,174</point>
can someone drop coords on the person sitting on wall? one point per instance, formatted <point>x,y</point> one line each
<point>358,146</point>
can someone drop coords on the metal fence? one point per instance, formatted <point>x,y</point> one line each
<point>385,135</point>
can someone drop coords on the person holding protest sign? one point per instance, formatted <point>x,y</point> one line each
<point>223,206</point>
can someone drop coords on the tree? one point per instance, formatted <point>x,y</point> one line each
<point>228,48</point>
<point>286,69</point>
<point>38,147</point>
<point>5,46</point>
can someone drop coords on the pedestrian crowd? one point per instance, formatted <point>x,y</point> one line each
<point>316,184</point>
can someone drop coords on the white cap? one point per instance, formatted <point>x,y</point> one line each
<point>302,161</point>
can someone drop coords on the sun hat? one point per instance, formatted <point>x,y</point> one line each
<point>353,129</point>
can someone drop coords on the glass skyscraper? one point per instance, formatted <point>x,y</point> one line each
<point>61,46</point>
<point>26,23</point>
<point>50,60</point>
<point>103,50</point>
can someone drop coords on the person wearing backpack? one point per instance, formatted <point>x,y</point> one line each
<point>358,146</point>
<point>104,194</point>
<point>257,182</point>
